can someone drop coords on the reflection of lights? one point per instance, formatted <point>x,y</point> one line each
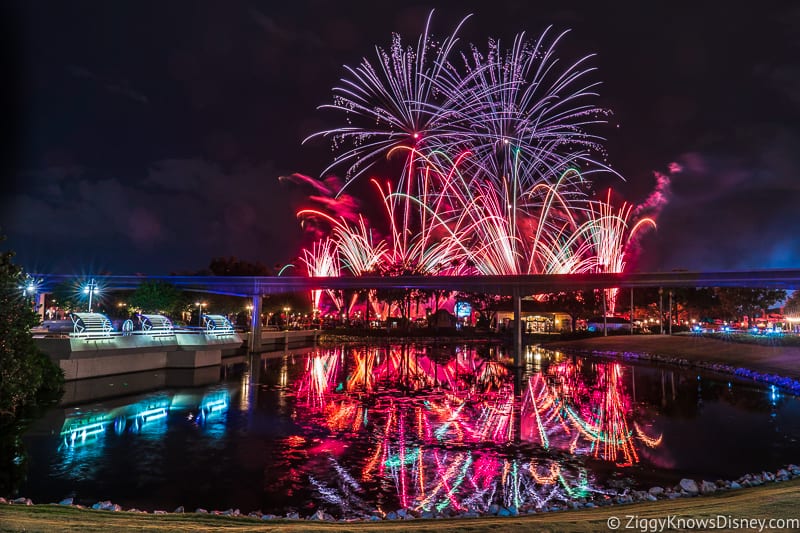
<point>572,406</point>
<point>649,441</point>
<point>149,415</point>
<point>214,403</point>
<point>79,434</point>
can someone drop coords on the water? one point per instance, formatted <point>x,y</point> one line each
<point>352,429</point>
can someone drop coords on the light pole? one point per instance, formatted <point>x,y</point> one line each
<point>200,313</point>
<point>90,289</point>
<point>29,291</point>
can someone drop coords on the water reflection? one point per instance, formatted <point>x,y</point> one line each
<point>352,429</point>
<point>470,440</point>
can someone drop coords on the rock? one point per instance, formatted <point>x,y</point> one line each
<point>494,509</point>
<point>66,501</point>
<point>782,474</point>
<point>650,497</point>
<point>689,486</point>
<point>19,501</point>
<point>735,485</point>
<point>503,512</point>
<point>103,506</point>
<point>268,517</point>
<point>319,515</point>
<point>134,510</point>
<point>375,518</point>
<point>402,513</point>
<point>116,508</point>
<point>3,500</point>
<point>159,511</point>
<point>656,491</point>
<point>427,514</point>
<point>707,487</point>
<point>513,510</point>
<point>293,516</point>
<point>391,515</point>
<point>200,510</point>
<point>179,509</point>
<point>471,514</point>
<point>255,514</point>
<point>589,505</point>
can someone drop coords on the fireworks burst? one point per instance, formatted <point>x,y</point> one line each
<point>497,148</point>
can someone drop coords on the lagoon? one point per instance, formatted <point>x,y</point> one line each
<point>351,429</point>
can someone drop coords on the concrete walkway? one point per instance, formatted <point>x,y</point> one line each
<point>781,360</point>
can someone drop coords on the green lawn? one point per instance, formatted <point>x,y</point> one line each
<point>773,501</point>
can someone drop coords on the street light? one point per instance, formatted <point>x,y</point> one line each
<point>200,313</point>
<point>90,289</point>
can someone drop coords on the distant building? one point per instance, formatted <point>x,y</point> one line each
<point>534,321</point>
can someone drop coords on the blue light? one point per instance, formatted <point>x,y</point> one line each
<point>152,414</point>
<point>78,433</point>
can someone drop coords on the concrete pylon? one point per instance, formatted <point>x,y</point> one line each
<point>517,327</point>
<point>255,325</point>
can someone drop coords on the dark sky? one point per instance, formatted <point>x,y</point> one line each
<point>149,136</point>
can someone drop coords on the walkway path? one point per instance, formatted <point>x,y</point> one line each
<point>781,360</point>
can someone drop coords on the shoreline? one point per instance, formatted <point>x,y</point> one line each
<point>769,500</point>
<point>770,365</point>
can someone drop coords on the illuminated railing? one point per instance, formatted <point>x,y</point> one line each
<point>91,325</point>
<point>157,325</point>
<point>218,325</point>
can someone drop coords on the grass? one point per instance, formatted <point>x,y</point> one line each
<point>775,500</point>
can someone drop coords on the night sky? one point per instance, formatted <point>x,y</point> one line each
<point>149,136</point>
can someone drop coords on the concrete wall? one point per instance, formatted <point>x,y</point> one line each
<point>270,340</point>
<point>106,365</point>
<point>82,358</point>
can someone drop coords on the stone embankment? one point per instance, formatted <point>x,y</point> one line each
<point>684,489</point>
<point>786,383</point>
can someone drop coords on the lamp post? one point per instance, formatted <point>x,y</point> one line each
<point>200,313</point>
<point>29,291</point>
<point>90,289</point>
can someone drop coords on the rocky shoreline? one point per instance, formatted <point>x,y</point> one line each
<point>686,488</point>
<point>785,383</point>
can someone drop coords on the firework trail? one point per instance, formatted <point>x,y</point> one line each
<point>497,147</point>
<point>389,103</point>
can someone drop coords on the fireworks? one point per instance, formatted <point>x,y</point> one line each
<point>430,446</point>
<point>497,148</point>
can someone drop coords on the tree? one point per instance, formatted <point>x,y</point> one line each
<point>576,304</point>
<point>25,372</point>
<point>736,302</point>
<point>792,306</point>
<point>67,295</point>
<point>485,304</point>
<point>158,296</point>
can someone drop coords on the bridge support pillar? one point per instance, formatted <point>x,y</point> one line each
<point>518,356</point>
<point>255,326</point>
